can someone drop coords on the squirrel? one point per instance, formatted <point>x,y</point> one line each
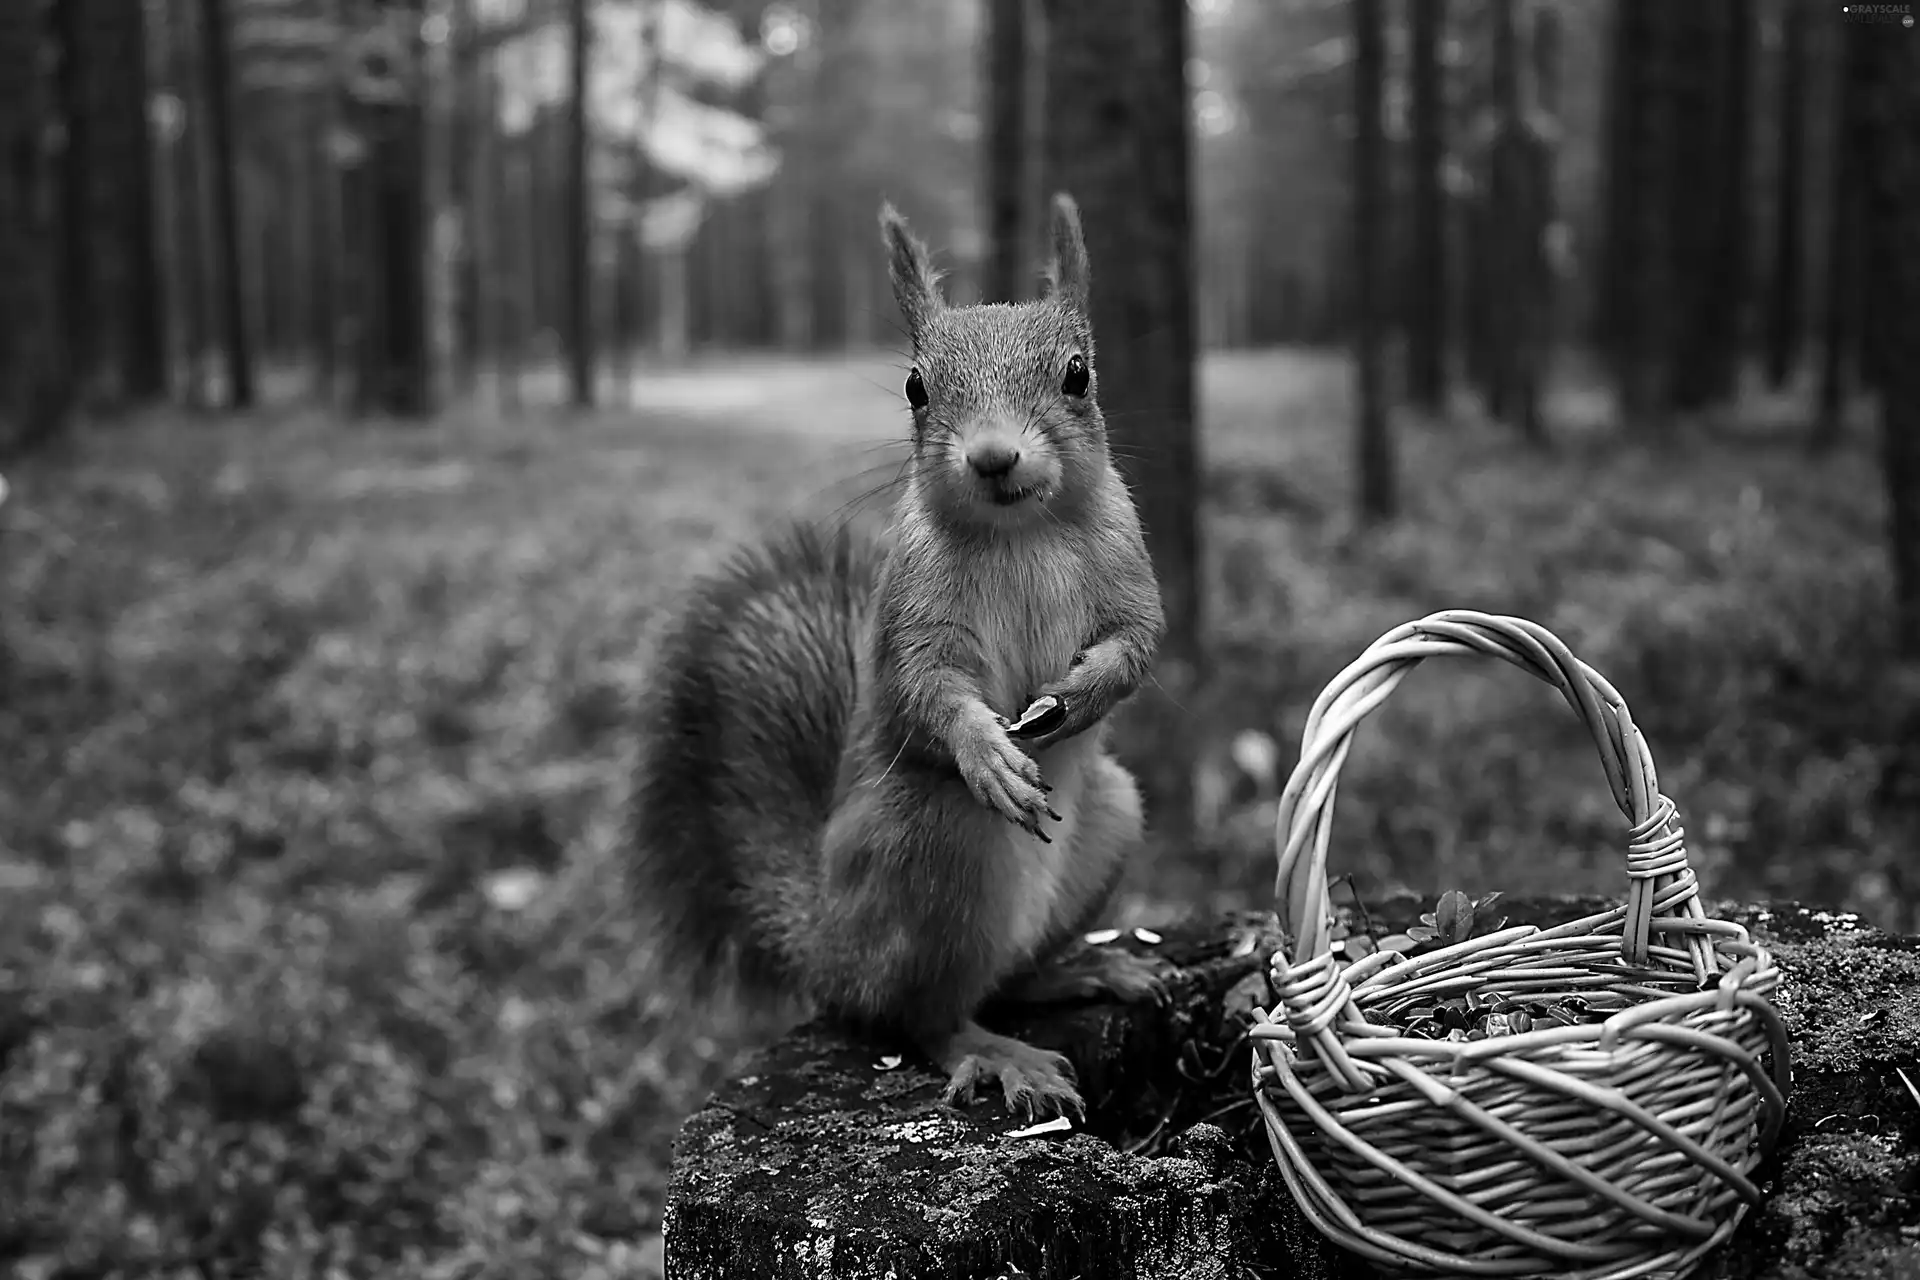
<point>829,798</point>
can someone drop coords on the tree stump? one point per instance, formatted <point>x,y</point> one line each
<point>826,1158</point>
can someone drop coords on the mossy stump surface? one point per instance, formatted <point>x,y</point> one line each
<point>820,1160</point>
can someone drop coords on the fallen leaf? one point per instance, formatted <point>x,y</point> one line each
<point>514,888</point>
<point>1059,1124</point>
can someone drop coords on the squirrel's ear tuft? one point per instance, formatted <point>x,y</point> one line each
<point>1068,275</point>
<point>916,285</point>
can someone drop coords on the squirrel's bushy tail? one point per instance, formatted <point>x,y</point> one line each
<point>741,728</point>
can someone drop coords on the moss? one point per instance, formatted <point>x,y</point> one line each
<point>1849,1002</point>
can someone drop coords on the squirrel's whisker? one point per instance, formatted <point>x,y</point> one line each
<point>843,515</point>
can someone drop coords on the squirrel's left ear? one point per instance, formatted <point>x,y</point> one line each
<point>1068,277</point>
<point>916,285</point>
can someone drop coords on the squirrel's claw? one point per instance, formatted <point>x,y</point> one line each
<point>1036,1083</point>
<point>1006,780</point>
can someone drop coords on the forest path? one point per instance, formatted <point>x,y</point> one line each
<point>850,397</point>
<point>1244,396</point>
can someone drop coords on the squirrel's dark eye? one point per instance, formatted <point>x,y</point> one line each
<point>916,390</point>
<point>1075,383</point>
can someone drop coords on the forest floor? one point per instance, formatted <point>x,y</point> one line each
<point>311,738</point>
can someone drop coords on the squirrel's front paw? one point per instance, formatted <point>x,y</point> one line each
<point>1005,779</point>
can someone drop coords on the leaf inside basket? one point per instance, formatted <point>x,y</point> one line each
<point>1453,916</point>
<point>1456,918</point>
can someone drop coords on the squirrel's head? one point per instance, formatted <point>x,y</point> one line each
<point>1005,424</point>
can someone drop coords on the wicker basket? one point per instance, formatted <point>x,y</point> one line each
<point>1612,1149</point>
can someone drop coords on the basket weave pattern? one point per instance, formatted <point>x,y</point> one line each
<point>1622,1148</point>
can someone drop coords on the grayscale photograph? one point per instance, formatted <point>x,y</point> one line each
<point>959,640</point>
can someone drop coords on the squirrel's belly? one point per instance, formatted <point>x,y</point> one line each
<point>1042,873</point>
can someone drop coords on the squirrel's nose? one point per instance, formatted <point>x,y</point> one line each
<point>993,458</point>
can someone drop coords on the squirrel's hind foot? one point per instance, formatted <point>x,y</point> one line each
<point>1093,973</point>
<point>1036,1083</point>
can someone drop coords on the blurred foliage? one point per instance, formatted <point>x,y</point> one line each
<point>1273,103</point>
<point>311,954</point>
<point>1736,597</point>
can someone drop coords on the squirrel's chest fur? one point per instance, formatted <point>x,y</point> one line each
<point>1028,616</point>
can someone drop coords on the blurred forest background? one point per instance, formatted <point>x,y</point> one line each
<point>371,370</point>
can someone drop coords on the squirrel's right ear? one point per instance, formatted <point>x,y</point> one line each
<point>1069,276</point>
<point>916,285</point>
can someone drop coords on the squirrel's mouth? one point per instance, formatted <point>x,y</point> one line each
<point>1013,496</point>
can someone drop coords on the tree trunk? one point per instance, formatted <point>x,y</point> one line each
<point>443,216</point>
<point>1518,207</point>
<point>825,246</point>
<point>1546,61</point>
<point>1373,455</point>
<point>1785,323</point>
<point>635,275</point>
<point>1620,247</point>
<point>1011,233</point>
<point>1427,335</point>
<point>1488,288</point>
<point>1119,142</point>
<point>788,217</point>
<point>398,349</point>
<point>579,229</point>
<point>1886,71</point>
<point>217,69</point>
<point>139,303</point>
<point>860,284</point>
<point>1726,296</point>
<point>1638,289</point>
<point>76,222</point>
<point>485,198</point>
<point>547,243</point>
<point>1656,185</point>
<point>1844,261</point>
<point>623,311</point>
<point>34,384</point>
<point>516,244</point>
<point>670,269</point>
<point>262,206</point>
<point>747,303</point>
<point>358,293</point>
<point>187,180</point>
<point>1701,223</point>
<point>1548,111</point>
<point>402,266</point>
<point>322,318</point>
<point>466,142</point>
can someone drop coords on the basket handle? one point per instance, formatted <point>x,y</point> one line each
<point>1656,853</point>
